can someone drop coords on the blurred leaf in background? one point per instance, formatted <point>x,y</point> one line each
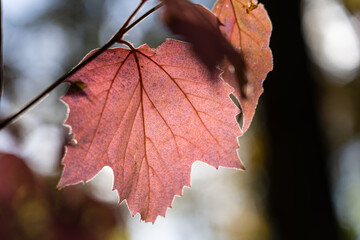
<point>30,208</point>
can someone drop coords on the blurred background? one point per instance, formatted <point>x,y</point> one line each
<point>302,152</point>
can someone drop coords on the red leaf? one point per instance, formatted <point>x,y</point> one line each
<point>248,28</point>
<point>149,114</point>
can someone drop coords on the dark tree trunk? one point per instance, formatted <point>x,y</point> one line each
<point>299,193</point>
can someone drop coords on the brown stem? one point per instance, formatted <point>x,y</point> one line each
<point>116,38</point>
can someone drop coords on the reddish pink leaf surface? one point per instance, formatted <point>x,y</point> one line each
<point>149,115</point>
<point>248,29</point>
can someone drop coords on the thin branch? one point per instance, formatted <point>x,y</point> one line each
<point>143,17</point>
<point>116,38</point>
<point>54,85</point>
<point>121,32</point>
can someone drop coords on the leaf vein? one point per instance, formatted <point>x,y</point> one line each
<point>103,108</point>
<point>182,91</point>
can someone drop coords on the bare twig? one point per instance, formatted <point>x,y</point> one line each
<point>116,38</point>
<point>143,17</point>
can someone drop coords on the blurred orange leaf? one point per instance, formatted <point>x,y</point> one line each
<point>247,26</point>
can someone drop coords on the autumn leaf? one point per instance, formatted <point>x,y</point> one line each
<point>247,26</point>
<point>149,115</point>
<point>201,27</point>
